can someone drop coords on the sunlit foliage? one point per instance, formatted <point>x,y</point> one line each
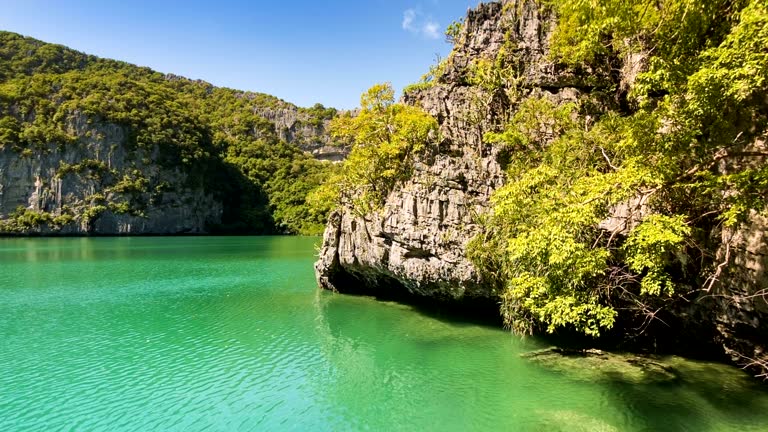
<point>384,137</point>
<point>681,159</point>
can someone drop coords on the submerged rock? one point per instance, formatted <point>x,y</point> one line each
<point>593,364</point>
<point>722,384</point>
<point>571,421</point>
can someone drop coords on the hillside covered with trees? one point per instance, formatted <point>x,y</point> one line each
<point>137,136</point>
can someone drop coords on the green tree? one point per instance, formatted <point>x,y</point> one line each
<point>384,136</point>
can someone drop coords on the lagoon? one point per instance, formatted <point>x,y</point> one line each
<point>231,333</point>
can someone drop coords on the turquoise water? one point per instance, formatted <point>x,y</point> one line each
<point>220,334</point>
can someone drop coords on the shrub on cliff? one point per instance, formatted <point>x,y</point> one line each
<point>384,138</point>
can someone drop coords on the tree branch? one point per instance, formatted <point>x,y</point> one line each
<point>710,282</point>
<point>607,159</point>
<point>752,363</point>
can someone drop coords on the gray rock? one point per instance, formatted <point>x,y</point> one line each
<point>36,182</point>
<point>596,365</point>
<point>297,128</point>
<point>418,241</point>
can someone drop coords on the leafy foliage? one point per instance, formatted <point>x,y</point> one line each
<point>428,80</point>
<point>453,31</point>
<point>385,136</point>
<point>618,205</point>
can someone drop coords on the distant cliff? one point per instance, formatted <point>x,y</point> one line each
<point>306,128</point>
<point>99,186</point>
<point>417,243</point>
<point>97,146</point>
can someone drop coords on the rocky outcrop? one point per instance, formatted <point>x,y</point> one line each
<point>306,130</point>
<point>99,185</point>
<point>418,241</point>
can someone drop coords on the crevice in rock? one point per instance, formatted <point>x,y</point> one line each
<point>418,253</point>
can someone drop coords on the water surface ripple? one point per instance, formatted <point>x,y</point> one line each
<point>231,334</point>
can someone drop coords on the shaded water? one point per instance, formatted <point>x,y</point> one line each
<point>207,333</point>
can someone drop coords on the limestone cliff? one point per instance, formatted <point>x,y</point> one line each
<point>100,186</point>
<point>416,245</point>
<point>419,240</point>
<point>306,131</point>
<point>99,146</point>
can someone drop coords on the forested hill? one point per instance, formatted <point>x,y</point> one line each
<point>98,146</point>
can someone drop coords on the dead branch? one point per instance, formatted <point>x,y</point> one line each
<point>710,282</point>
<point>607,159</point>
<point>762,293</point>
<point>751,363</point>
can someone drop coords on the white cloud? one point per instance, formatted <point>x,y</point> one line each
<point>408,16</point>
<point>414,22</point>
<point>431,30</point>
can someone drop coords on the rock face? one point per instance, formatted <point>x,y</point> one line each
<point>418,241</point>
<point>99,186</point>
<point>417,244</point>
<point>309,133</point>
<point>739,305</point>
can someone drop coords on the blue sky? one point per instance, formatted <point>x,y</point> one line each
<point>302,51</point>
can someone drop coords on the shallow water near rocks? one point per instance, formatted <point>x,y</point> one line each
<point>231,333</point>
